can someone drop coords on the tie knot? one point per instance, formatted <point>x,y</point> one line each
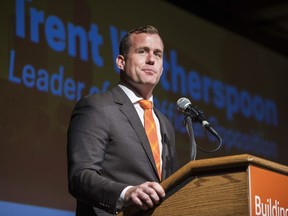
<point>146,104</point>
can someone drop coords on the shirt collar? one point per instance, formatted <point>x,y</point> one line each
<point>131,95</point>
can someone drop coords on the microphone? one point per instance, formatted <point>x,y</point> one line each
<point>185,106</point>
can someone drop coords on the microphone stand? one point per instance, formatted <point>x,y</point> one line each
<point>193,145</point>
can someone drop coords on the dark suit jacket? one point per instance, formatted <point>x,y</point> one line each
<point>108,150</point>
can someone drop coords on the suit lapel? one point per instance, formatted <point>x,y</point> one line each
<point>164,134</point>
<point>128,109</point>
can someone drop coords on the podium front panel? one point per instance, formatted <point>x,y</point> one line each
<point>268,192</point>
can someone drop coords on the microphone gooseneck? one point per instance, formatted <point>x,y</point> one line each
<point>185,106</point>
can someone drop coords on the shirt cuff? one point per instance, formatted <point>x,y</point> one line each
<point>120,202</point>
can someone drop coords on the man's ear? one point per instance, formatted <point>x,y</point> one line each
<point>120,62</point>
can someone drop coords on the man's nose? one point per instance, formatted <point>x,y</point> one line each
<point>150,58</point>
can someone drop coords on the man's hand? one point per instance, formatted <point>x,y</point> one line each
<point>144,196</point>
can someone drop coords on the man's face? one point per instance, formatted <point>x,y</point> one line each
<point>143,65</point>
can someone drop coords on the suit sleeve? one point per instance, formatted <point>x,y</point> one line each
<point>87,137</point>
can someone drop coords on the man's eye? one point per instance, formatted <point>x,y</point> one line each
<point>159,55</point>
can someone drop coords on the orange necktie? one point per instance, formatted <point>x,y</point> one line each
<point>151,131</point>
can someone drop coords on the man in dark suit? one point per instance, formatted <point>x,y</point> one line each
<point>110,161</point>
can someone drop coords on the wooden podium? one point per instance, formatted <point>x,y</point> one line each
<point>231,185</point>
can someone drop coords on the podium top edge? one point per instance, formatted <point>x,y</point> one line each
<point>220,164</point>
<point>237,161</point>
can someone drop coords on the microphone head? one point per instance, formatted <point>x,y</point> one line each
<point>183,103</point>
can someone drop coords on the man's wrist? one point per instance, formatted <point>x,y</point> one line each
<point>121,201</point>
